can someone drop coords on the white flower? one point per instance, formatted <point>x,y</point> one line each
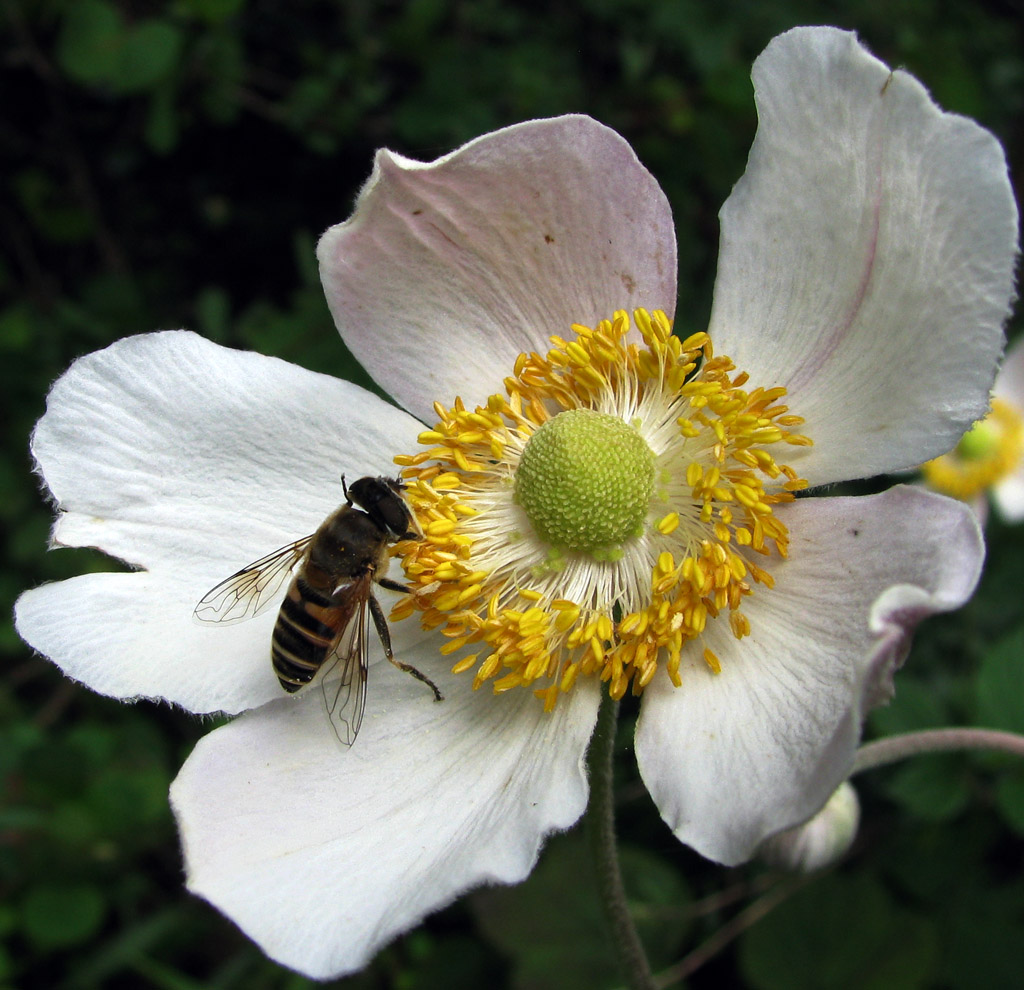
<point>866,267</point>
<point>989,459</point>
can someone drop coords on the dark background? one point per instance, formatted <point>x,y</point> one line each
<point>170,164</point>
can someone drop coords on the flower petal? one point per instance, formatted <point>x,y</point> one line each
<point>189,460</point>
<point>735,757</point>
<point>1008,494</point>
<point>868,248</point>
<point>1010,380</point>
<point>322,855</point>
<point>447,271</point>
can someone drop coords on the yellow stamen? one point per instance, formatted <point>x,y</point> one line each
<point>542,616</point>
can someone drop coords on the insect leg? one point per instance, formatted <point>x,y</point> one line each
<point>385,637</point>
<point>386,582</point>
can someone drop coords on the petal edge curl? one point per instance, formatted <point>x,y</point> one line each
<point>735,757</point>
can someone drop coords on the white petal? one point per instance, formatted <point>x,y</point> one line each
<point>1010,380</point>
<point>447,271</point>
<point>1008,495</point>
<point>866,258</point>
<point>322,855</point>
<point>733,758</point>
<point>188,460</point>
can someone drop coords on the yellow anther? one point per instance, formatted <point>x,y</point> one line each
<point>447,601</point>
<point>566,619</point>
<point>669,524</point>
<point>592,378</point>
<point>468,594</point>
<point>711,512</point>
<point>577,354</point>
<point>461,666</point>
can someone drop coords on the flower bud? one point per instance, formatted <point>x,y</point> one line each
<point>820,841</point>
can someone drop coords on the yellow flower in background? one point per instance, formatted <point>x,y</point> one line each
<point>988,462</point>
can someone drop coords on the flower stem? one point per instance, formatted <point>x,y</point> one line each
<point>885,751</point>
<point>600,826</point>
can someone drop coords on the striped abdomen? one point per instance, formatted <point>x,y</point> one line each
<point>308,625</point>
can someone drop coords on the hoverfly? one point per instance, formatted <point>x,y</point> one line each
<point>323,622</point>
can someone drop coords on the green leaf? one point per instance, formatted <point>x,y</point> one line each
<point>552,926</point>
<point>52,208</point>
<point>213,311</point>
<point>211,11</point>
<point>125,801</point>
<point>90,40</point>
<point>149,53</point>
<point>1010,798</point>
<point>54,916</point>
<point>1000,684</point>
<point>16,331</point>
<point>8,919</point>
<point>132,941</point>
<point>914,706</point>
<point>932,787</point>
<point>978,939</point>
<point>96,48</point>
<point>73,825</point>
<point>838,933</point>
<point>930,861</point>
<point>162,126</point>
<point>454,963</point>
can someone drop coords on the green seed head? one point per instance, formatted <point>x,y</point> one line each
<point>585,481</point>
<point>980,441</point>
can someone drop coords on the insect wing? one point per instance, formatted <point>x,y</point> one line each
<point>252,589</point>
<point>344,672</point>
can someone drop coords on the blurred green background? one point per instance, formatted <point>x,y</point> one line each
<point>170,163</point>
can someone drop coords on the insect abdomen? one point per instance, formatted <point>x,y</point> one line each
<point>301,640</point>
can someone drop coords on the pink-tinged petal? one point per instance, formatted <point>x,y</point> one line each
<point>188,460</point>
<point>447,271</point>
<point>323,854</point>
<point>735,757</point>
<point>979,506</point>
<point>868,248</point>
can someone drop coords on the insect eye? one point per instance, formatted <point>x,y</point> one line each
<point>396,517</point>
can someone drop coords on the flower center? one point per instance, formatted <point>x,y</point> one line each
<point>988,452</point>
<point>585,480</point>
<point>598,516</point>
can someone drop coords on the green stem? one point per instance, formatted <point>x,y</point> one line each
<point>600,825</point>
<point>885,751</point>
